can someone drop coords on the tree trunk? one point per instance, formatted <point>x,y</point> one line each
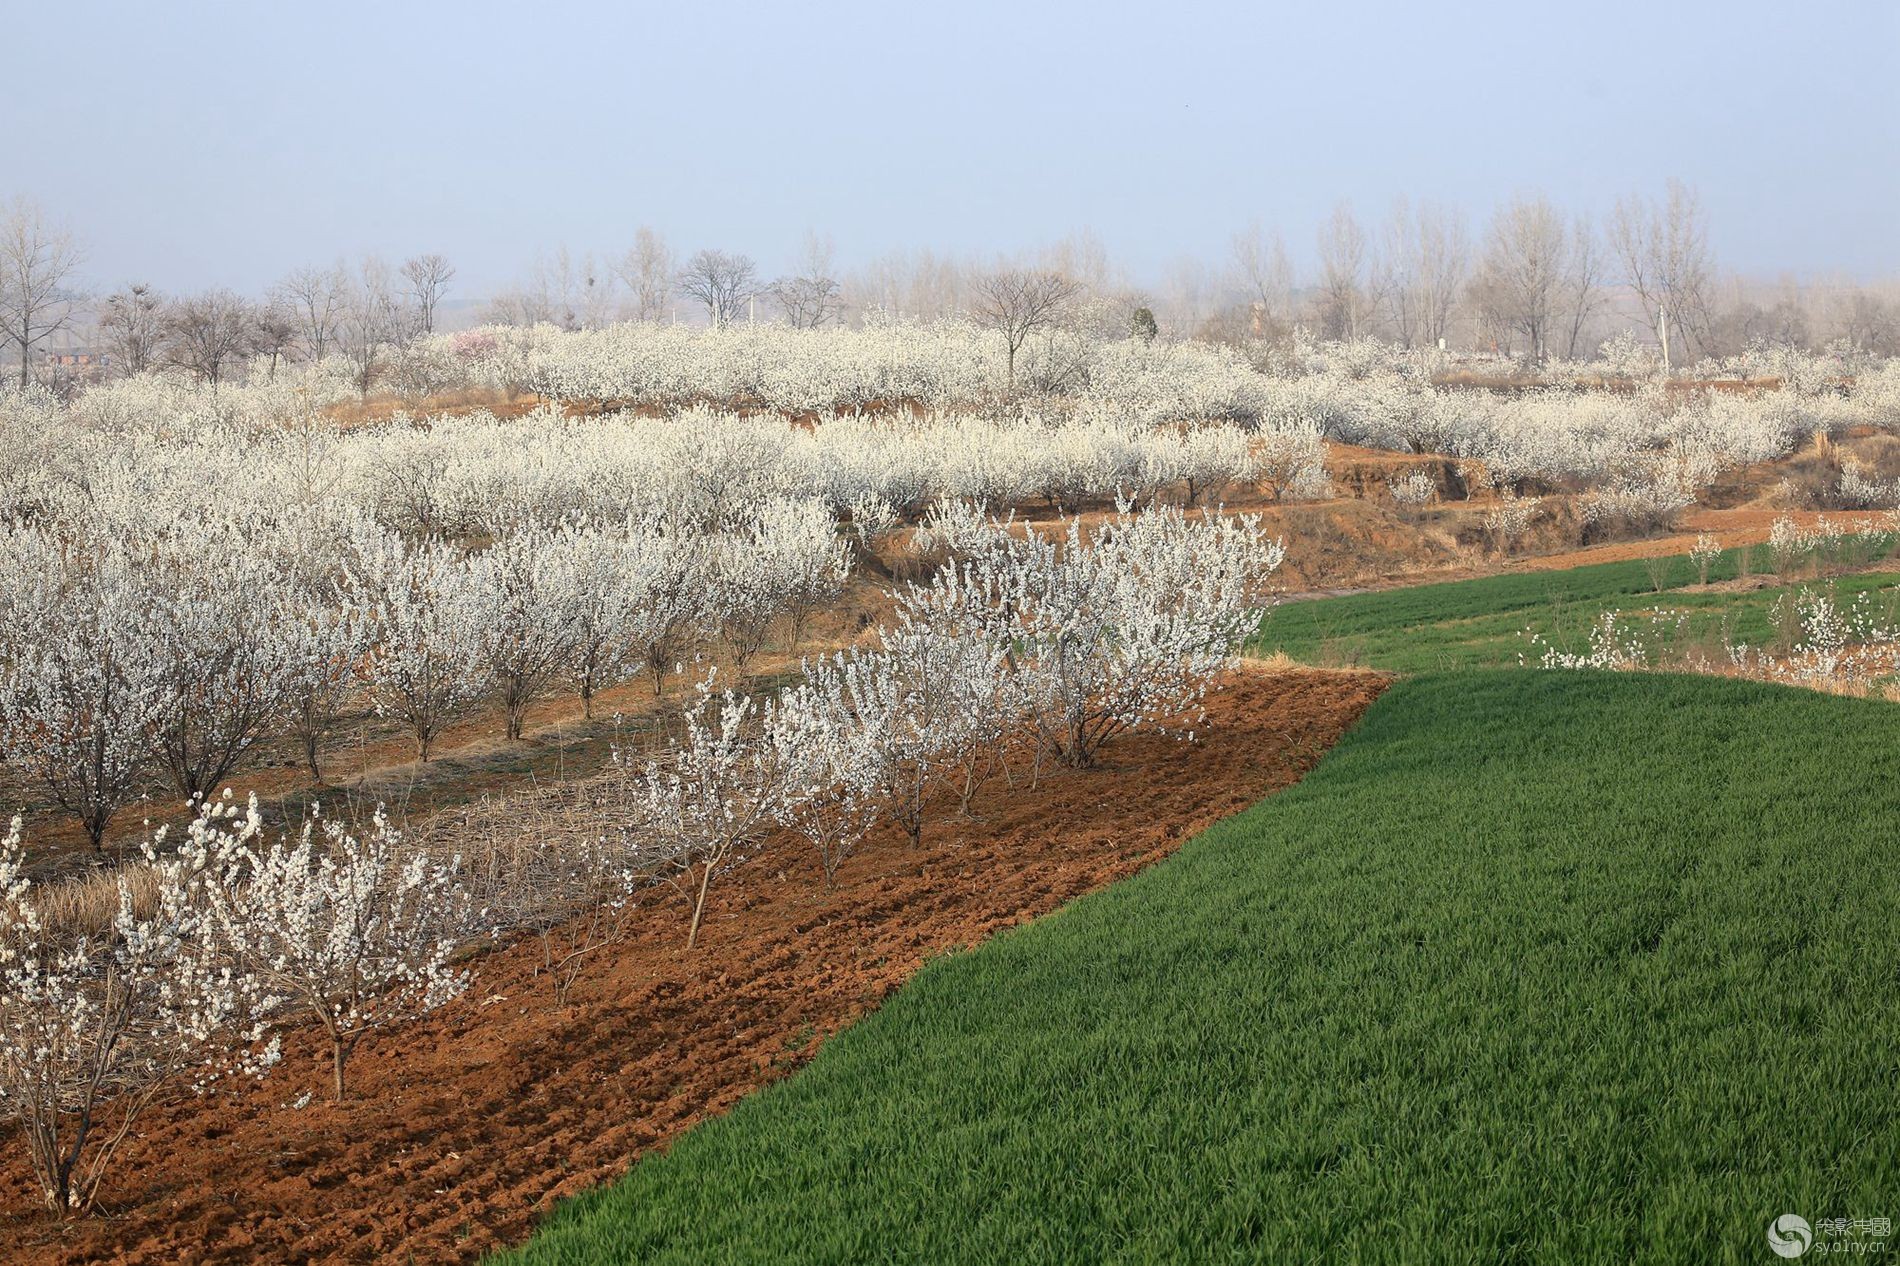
<point>699,906</point>
<point>64,1165</point>
<point>338,1057</point>
<point>61,1198</point>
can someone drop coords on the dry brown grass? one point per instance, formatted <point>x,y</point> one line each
<point>506,404</point>
<point>86,903</point>
<point>502,840</point>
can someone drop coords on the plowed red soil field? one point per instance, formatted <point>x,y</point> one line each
<point>464,1127</point>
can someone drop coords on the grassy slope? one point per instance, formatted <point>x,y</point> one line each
<point>1481,623</point>
<point>1555,967</point>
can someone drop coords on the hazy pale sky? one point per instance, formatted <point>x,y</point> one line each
<point>200,144</point>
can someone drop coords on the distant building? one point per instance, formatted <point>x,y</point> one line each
<point>76,361</point>
<point>67,355</point>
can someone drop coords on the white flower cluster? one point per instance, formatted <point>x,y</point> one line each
<point>1510,519</point>
<point>1052,644</point>
<point>1621,641</point>
<point>1116,629</point>
<point>1859,490</point>
<point>109,1009</point>
<point>1107,415</point>
<point>1830,544</point>
<point>1840,648</point>
<point>837,370</point>
<point>1415,488</point>
<point>479,474</point>
<point>1703,555</point>
<point>353,932</point>
<point>1646,506</point>
<point>1844,648</point>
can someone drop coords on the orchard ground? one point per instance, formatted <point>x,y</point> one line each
<point>469,1123</point>
<point>443,1156</point>
<point>1546,967</point>
<point>1565,1021</point>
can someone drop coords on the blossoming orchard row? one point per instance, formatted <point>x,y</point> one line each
<point>175,646</point>
<point>1023,648</point>
<point>1615,420</point>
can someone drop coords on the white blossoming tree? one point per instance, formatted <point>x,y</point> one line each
<point>353,932</point>
<point>529,627</point>
<point>101,1012</point>
<point>82,674</point>
<point>423,662</point>
<point>717,794</point>
<point>229,676</point>
<point>1121,630</point>
<point>834,763</point>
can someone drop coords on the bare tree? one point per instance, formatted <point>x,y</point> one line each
<point>1266,275</point>
<point>548,294</point>
<point>1786,323</point>
<point>514,306</point>
<point>810,297</point>
<point>1664,251</point>
<point>1444,262</point>
<point>1016,302</point>
<point>1396,271</point>
<point>723,283</point>
<point>372,321</point>
<point>274,331</point>
<point>428,277</point>
<point>593,291</point>
<point>316,298</point>
<point>1422,268</point>
<point>562,289</point>
<point>1745,322</point>
<point>1082,257</point>
<point>132,327</point>
<point>1583,285</point>
<point>207,334</point>
<point>1867,323</point>
<point>1520,281</point>
<point>1344,302</point>
<point>1192,290</point>
<point>647,271</point>
<point>923,284</point>
<point>37,260</point>
<point>534,302</point>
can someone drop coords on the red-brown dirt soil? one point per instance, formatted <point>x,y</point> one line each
<point>466,1126</point>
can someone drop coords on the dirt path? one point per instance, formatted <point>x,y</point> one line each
<point>1743,525</point>
<point>469,1125</point>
